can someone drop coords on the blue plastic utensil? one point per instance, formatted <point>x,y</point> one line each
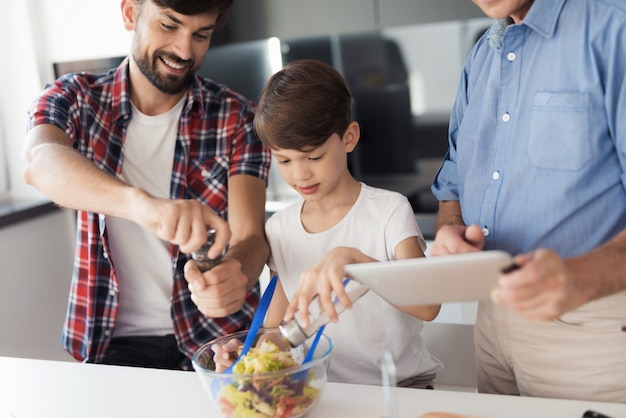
<point>257,321</point>
<point>311,352</point>
<point>320,331</point>
<point>255,325</point>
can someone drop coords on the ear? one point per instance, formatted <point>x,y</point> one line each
<point>351,136</point>
<point>129,13</point>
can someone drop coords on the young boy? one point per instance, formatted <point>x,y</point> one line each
<point>304,118</point>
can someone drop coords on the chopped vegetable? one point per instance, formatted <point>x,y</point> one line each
<point>264,397</point>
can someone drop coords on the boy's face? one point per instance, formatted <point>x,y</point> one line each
<point>315,173</point>
<point>168,47</point>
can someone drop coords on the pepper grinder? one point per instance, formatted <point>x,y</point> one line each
<point>295,334</point>
<point>201,255</point>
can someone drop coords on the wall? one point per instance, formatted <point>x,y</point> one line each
<point>19,84</point>
<point>302,18</point>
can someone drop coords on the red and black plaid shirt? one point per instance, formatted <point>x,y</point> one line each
<point>215,140</point>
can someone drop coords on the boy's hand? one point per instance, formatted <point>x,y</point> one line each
<point>225,355</point>
<point>322,279</point>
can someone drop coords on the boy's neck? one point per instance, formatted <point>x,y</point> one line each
<point>321,215</point>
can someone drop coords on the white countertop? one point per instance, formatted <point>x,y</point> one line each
<point>41,388</point>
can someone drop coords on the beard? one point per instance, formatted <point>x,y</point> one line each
<point>168,83</point>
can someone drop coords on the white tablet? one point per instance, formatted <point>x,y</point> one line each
<point>433,280</point>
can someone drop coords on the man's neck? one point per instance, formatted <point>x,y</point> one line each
<point>148,99</point>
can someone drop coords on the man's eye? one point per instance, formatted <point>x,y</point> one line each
<point>200,37</point>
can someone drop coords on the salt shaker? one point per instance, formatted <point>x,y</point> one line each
<point>295,334</point>
<point>201,255</point>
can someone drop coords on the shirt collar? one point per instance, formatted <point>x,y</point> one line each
<point>542,18</point>
<point>120,96</point>
<point>195,97</point>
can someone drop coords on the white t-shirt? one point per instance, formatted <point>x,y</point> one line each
<point>142,260</point>
<point>378,221</point>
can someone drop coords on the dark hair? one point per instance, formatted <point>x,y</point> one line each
<point>195,7</point>
<point>302,105</point>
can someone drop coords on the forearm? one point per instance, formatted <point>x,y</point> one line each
<point>252,252</point>
<point>246,217</point>
<point>449,214</point>
<point>602,271</point>
<point>71,180</point>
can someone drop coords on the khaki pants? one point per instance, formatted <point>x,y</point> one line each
<point>582,355</point>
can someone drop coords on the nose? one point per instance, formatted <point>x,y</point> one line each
<point>301,172</point>
<point>183,47</point>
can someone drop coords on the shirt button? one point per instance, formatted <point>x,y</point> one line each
<point>486,231</point>
<point>107,332</point>
<point>511,56</point>
<point>111,292</point>
<point>506,117</point>
<point>205,173</point>
<point>495,175</point>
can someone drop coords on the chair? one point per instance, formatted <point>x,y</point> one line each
<point>376,74</point>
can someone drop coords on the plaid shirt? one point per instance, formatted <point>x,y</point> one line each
<point>215,140</point>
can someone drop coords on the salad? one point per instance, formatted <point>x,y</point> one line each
<point>265,396</point>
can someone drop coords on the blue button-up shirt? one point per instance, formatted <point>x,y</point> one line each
<point>537,134</point>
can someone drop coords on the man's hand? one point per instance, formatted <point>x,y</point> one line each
<point>181,222</point>
<point>220,291</point>
<point>454,239</point>
<point>542,288</point>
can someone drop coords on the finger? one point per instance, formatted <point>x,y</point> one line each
<point>326,303</point>
<point>301,300</point>
<point>183,229</point>
<point>222,231</point>
<point>213,309</point>
<point>474,236</point>
<point>291,310</point>
<point>527,302</point>
<point>194,277</point>
<point>340,293</point>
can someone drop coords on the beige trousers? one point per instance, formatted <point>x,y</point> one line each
<point>582,355</point>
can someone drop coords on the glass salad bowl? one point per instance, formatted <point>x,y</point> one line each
<point>289,390</point>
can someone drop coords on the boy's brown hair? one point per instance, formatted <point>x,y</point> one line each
<point>302,105</point>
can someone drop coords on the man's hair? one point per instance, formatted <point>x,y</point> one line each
<point>195,7</point>
<point>302,105</point>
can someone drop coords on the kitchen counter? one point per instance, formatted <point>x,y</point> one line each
<point>41,388</point>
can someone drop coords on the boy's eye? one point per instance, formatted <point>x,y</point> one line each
<point>167,27</point>
<point>316,158</point>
